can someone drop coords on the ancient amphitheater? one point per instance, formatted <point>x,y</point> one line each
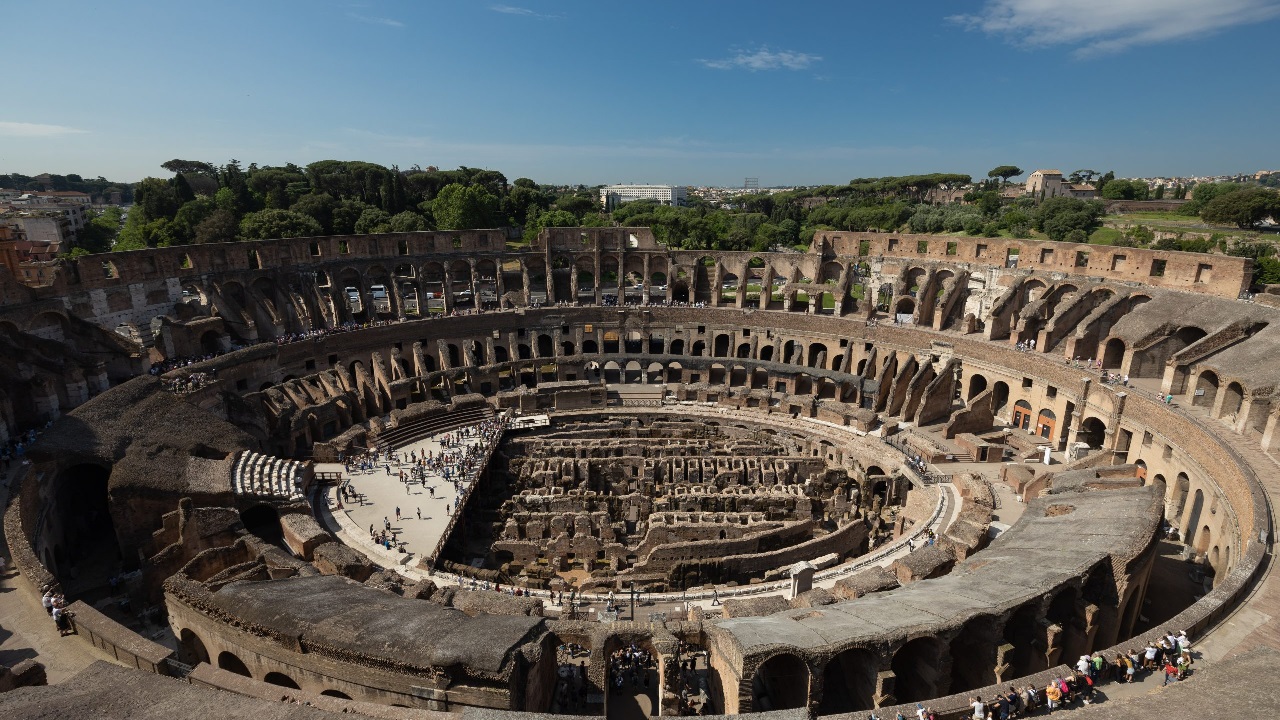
<point>809,484</point>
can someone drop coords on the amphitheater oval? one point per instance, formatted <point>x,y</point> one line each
<point>750,486</point>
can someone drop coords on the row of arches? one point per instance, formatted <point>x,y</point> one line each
<point>192,650</point>
<point>930,666</point>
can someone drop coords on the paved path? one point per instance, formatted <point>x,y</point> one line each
<point>26,631</point>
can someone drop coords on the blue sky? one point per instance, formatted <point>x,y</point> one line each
<point>666,92</point>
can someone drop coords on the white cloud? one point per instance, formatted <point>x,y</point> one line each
<point>21,129</point>
<point>521,11</point>
<point>373,20</point>
<point>1104,26</point>
<point>763,59</point>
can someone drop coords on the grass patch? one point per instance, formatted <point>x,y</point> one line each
<point>1105,236</point>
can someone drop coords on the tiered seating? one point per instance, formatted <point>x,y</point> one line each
<point>412,432</point>
<point>266,475</point>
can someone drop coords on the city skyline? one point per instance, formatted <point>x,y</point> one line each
<point>679,94</point>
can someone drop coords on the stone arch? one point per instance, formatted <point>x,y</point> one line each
<point>335,693</point>
<point>817,356</point>
<point>918,667</point>
<point>1022,415</point>
<point>1025,633</point>
<point>612,372</point>
<point>191,648</point>
<point>633,373</point>
<point>1180,490</point>
<point>48,325</point>
<point>279,678</point>
<point>231,663</point>
<point>904,306</point>
<point>781,683</point>
<point>999,396</point>
<point>720,345</point>
<point>263,521</point>
<point>1232,400</point>
<point>675,372</point>
<point>653,373</point>
<point>1093,432</point>
<point>977,384</point>
<point>1046,423</point>
<point>1113,354</point>
<point>1206,389</point>
<point>973,654</point>
<point>210,342</point>
<point>849,682</point>
<point>1193,518</point>
<point>1202,540</point>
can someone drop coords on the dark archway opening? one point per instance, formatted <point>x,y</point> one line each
<point>276,678</point>
<point>336,694</point>
<point>849,682</point>
<point>233,664</point>
<point>191,649</point>
<point>781,683</point>
<point>90,551</point>
<point>918,671</point>
<point>264,522</point>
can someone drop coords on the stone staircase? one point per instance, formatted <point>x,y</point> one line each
<point>254,473</point>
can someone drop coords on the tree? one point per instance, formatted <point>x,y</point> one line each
<point>319,206</point>
<point>266,224</point>
<point>220,226</point>
<point>1243,208</point>
<point>408,221</point>
<point>1102,181</point>
<point>190,167</point>
<point>1056,217</point>
<point>345,215</point>
<point>1159,195</point>
<point>1004,172</point>
<point>458,207</point>
<point>373,220</point>
<point>1082,177</point>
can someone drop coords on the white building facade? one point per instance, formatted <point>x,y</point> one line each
<point>612,196</point>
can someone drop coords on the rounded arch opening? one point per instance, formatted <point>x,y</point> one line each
<point>781,683</point>
<point>229,662</point>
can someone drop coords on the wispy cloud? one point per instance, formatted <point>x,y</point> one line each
<point>21,129</point>
<point>763,58</point>
<point>521,11</point>
<point>374,20</point>
<point>1108,26</point>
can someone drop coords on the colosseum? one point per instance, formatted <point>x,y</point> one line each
<point>891,469</point>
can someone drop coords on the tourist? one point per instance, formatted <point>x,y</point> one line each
<point>1052,695</point>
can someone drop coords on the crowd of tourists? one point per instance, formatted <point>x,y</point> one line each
<point>16,449</point>
<point>689,682</point>
<point>1171,655</point>
<point>191,382</point>
<point>55,604</point>
<point>630,666</point>
<point>572,686</point>
<point>456,462</point>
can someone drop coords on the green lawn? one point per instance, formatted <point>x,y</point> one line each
<point>1105,236</point>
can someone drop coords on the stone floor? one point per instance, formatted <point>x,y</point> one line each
<point>424,512</point>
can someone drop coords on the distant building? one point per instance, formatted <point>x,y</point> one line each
<point>48,217</point>
<point>612,196</point>
<point>1044,184</point>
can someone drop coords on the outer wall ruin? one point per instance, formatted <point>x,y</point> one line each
<point>864,332</point>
